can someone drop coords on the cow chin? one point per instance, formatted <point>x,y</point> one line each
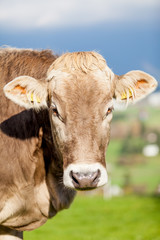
<point>85,176</point>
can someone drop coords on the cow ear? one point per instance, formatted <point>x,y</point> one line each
<point>133,86</point>
<point>27,92</point>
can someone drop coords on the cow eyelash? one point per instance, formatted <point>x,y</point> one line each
<point>56,113</point>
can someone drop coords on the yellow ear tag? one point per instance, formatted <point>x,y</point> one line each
<point>31,98</point>
<point>124,95</point>
<point>38,99</point>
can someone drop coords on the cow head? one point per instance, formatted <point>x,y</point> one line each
<point>80,92</point>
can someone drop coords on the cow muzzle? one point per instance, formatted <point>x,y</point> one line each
<point>85,176</point>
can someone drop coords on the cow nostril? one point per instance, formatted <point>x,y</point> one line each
<point>74,179</point>
<point>96,176</point>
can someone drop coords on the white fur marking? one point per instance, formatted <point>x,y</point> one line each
<point>12,206</point>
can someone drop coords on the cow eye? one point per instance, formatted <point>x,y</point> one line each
<point>54,110</point>
<point>110,110</point>
<point>56,113</point>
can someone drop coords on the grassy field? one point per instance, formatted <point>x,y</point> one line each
<point>93,218</point>
<point>142,171</point>
<point>146,173</point>
<point>133,112</point>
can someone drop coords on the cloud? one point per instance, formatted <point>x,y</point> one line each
<point>38,14</point>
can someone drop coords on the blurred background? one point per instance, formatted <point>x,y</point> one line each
<point>127,34</point>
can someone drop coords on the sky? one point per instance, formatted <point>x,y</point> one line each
<point>125,32</point>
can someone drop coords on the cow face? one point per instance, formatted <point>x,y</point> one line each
<point>80,114</point>
<point>79,92</point>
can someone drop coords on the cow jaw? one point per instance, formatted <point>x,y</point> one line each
<point>83,176</point>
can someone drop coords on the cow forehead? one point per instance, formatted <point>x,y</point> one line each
<point>80,73</point>
<point>87,87</point>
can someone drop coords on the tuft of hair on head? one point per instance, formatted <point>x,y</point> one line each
<point>79,61</point>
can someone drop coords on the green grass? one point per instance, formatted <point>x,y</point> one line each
<point>132,113</point>
<point>153,117</point>
<point>124,218</point>
<point>113,151</point>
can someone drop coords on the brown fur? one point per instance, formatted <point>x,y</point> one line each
<point>14,63</point>
<point>87,89</point>
<point>84,113</point>
<point>27,163</point>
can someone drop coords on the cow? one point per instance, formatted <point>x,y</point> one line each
<point>55,130</point>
